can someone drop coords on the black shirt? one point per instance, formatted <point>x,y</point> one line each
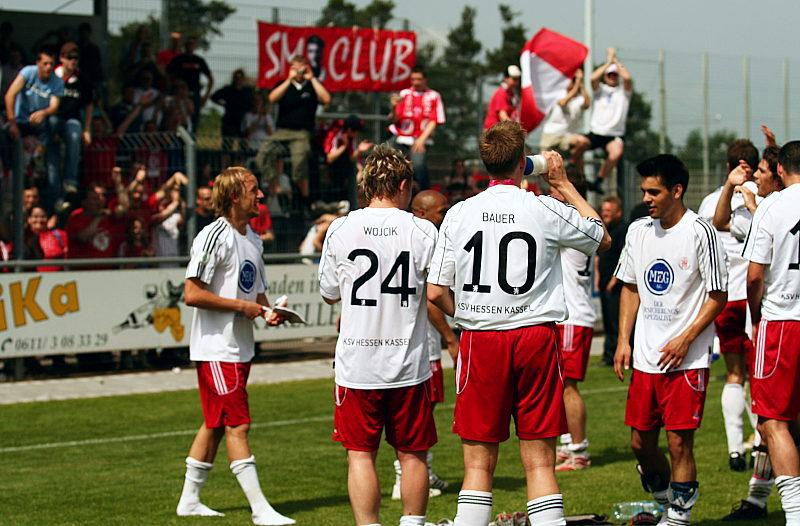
<point>297,108</point>
<point>78,93</point>
<point>608,260</point>
<point>188,68</point>
<point>237,102</point>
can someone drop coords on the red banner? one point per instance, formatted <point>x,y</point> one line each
<point>343,59</point>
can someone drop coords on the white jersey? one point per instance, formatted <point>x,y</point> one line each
<point>737,265</point>
<point>375,260</point>
<point>674,270</point>
<point>434,343</point>
<point>774,240</point>
<point>576,269</point>
<point>230,265</point>
<point>500,252</point>
<point>565,120</point>
<point>610,110</point>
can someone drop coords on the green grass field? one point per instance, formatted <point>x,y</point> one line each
<point>132,471</point>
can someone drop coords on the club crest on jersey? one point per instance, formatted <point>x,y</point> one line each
<point>247,276</point>
<point>684,263</point>
<point>658,277</point>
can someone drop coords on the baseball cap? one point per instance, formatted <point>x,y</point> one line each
<point>513,71</point>
<point>612,69</point>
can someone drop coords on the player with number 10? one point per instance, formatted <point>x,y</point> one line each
<point>497,271</point>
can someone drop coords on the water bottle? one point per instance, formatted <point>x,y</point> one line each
<point>625,511</point>
<point>535,165</point>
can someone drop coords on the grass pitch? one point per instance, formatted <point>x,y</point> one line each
<point>119,460</point>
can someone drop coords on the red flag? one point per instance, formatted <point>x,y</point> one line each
<point>548,62</point>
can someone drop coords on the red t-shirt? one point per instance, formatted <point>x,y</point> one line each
<point>414,111</point>
<point>99,158</point>
<point>503,99</point>
<point>263,223</point>
<point>105,241</point>
<point>54,245</point>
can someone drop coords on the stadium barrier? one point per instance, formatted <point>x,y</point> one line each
<point>73,312</point>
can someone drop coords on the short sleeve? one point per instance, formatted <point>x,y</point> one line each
<point>328,271</point>
<point>626,269</point>
<point>57,86</point>
<point>740,223</point>
<point>574,231</point>
<point>439,109</point>
<point>207,251</point>
<point>426,242</point>
<point>443,263</point>
<point>712,261</point>
<point>758,245</point>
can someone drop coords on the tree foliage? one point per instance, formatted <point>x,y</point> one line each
<point>692,152</point>
<point>514,38</point>
<point>641,141</point>
<point>341,13</point>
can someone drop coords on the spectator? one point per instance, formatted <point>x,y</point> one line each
<point>312,243</point>
<point>504,104</point>
<point>609,113</point>
<point>257,124</point>
<point>137,241</point>
<point>297,98</point>
<point>10,70</point>
<point>148,96</point>
<point>133,54</point>
<point>342,150</point>
<point>165,56</point>
<point>42,241</point>
<point>100,156</point>
<point>147,63</point>
<point>95,231</point>
<point>262,224</point>
<point>563,123</point>
<point>237,99</point>
<point>73,120</point>
<point>203,212</point>
<point>605,283</point>
<point>30,101</point>
<point>416,112</point>
<point>30,199</point>
<point>7,42</point>
<point>168,221</point>
<point>120,112</point>
<point>91,58</point>
<point>180,106</point>
<point>188,67</point>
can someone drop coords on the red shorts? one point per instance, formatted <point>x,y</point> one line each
<point>436,382</point>
<point>774,385</point>
<point>673,400</point>
<point>730,325</point>
<point>223,393</point>
<point>501,374</point>
<point>361,415</point>
<point>575,343</point>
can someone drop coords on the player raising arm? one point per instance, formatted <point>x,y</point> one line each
<point>773,295</point>
<point>225,283</point>
<point>675,280</point>
<point>374,261</point>
<point>499,252</point>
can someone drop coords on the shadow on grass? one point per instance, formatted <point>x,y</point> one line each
<point>612,455</point>
<point>293,506</point>
<point>773,518</point>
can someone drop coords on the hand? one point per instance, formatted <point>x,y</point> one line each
<point>251,309</point>
<point>452,350</point>
<point>611,284</point>
<point>769,135</point>
<point>141,175</point>
<point>292,73</point>
<point>37,117</point>
<point>611,55</point>
<point>579,75</point>
<point>180,178</point>
<point>418,146</point>
<point>364,145</point>
<point>308,74</point>
<point>116,176</point>
<point>622,359</point>
<point>394,99</point>
<point>273,318</point>
<point>748,196</point>
<point>87,137</point>
<point>13,130</point>
<point>673,353</point>
<point>555,176</point>
<point>740,174</point>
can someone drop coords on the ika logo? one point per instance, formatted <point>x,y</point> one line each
<point>658,277</point>
<point>247,276</point>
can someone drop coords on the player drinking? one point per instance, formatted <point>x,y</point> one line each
<point>375,261</point>
<point>675,280</point>
<point>499,251</point>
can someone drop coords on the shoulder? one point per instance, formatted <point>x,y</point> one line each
<point>424,227</point>
<point>336,224</point>
<point>641,225</point>
<point>28,71</point>
<point>405,92</point>
<point>433,94</point>
<point>219,229</point>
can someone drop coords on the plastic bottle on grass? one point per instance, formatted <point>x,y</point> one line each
<point>625,511</point>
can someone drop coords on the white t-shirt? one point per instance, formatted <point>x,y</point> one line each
<point>610,110</point>
<point>737,265</point>
<point>230,265</point>
<point>674,270</point>
<point>166,234</point>
<point>260,132</point>
<point>149,112</point>
<point>741,216</point>
<point>500,253</point>
<point>774,240</point>
<point>566,120</point>
<point>375,260</point>
<point>577,275</point>
<point>434,343</point>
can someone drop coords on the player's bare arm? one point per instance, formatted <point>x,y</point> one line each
<point>628,307</point>
<point>722,215</point>
<point>557,178</point>
<point>419,142</point>
<point>439,322</point>
<point>755,291</point>
<point>195,294</point>
<point>442,296</point>
<point>673,353</point>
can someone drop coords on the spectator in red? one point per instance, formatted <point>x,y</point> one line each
<point>43,242</point>
<point>342,150</point>
<point>262,225</point>
<point>165,56</point>
<point>504,105</point>
<point>100,157</point>
<point>95,231</point>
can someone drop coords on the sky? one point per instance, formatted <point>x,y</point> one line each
<point>725,29</point>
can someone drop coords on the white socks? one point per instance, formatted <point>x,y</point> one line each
<point>412,520</point>
<point>189,503</point>
<point>761,481</point>
<point>547,510</point>
<point>263,513</point>
<point>474,508</point>
<point>682,497</point>
<point>733,406</point>
<point>789,488</point>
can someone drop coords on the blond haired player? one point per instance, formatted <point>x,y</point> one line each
<point>497,271</point>
<point>773,295</point>
<point>225,283</point>
<point>374,260</point>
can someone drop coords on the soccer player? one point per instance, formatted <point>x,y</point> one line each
<point>675,279</point>
<point>773,295</point>
<point>499,252</point>
<point>730,324</point>
<point>375,261</point>
<point>575,337</point>
<point>225,283</point>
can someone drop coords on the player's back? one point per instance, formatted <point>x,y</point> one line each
<point>504,247</point>
<point>376,261</point>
